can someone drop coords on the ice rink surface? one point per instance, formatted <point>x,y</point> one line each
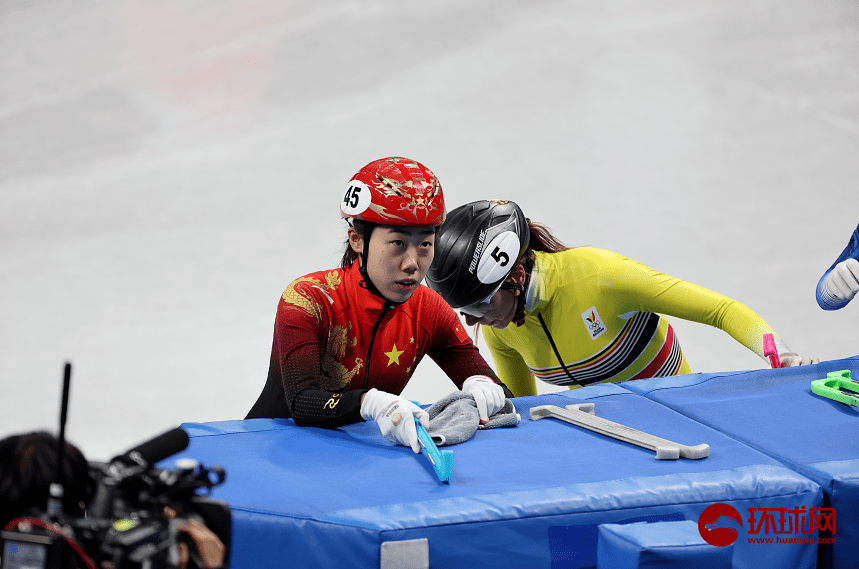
<point>166,169</point>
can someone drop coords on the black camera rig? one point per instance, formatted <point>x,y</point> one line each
<point>134,518</point>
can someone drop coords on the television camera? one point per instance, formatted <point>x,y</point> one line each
<point>134,518</point>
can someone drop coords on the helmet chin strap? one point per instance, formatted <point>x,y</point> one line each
<point>367,282</point>
<point>510,285</point>
<point>519,315</point>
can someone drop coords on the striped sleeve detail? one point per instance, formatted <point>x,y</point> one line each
<point>615,358</point>
<point>667,362</point>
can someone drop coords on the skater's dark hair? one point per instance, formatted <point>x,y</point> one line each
<point>541,239</point>
<point>349,254</point>
<point>27,466</point>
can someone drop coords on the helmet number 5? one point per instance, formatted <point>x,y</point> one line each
<point>496,257</point>
<point>500,257</point>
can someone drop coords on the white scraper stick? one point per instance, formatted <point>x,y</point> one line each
<point>582,415</point>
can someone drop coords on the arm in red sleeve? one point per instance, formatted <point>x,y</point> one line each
<point>296,386</point>
<point>455,353</point>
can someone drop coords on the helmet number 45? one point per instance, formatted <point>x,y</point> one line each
<point>357,198</point>
<point>351,198</point>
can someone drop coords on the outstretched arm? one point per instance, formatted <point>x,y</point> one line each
<point>840,283</point>
<point>456,354</point>
<point>653,291</point>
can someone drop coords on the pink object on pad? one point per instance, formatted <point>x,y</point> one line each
<point>771,352</point>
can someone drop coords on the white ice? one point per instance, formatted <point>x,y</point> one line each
<point>167,168</point>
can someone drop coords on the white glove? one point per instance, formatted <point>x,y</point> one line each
<point>395,417</point>
<point>843,281</point>
<point>488,395</point>
<point>790,359</point>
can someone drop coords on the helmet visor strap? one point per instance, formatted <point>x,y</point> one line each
<point>477,309</point>
<point>480,308</point>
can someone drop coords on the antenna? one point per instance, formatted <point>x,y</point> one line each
<point>55,499</point>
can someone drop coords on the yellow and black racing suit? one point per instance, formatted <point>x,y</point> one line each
<point>604,314</point>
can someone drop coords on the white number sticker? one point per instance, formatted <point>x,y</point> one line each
<point>498,257</point>
<point>357,198</point>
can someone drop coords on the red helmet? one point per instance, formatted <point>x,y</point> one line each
<point>394,191</point>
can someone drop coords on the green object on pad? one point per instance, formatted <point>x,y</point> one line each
<point>832,387</point>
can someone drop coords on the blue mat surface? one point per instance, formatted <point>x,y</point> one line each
<point>529,496</point>
<point>776,412</point>
<point>663,545</point>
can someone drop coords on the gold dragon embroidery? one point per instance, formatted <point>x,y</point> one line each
<point>300,299</point>
<point>335,349</point>
<point>338,336</point>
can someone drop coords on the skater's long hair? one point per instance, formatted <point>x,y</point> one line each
<point>541,239</point>
<point>349,254</point>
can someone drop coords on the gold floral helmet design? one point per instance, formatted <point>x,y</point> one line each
<point>394,191</point>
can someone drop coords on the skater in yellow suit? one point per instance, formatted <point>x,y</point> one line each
<point>573,316</point>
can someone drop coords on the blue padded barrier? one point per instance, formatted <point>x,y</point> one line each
<point>529,496</point>
<point>662,545</point>
<point>775,411</point>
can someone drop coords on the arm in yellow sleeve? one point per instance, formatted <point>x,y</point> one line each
<point>658,292</point>
<point>510,367</point>
<point>726,314</point>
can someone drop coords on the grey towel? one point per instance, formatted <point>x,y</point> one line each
<point>454,418</point>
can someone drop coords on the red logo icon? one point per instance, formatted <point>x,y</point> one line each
<point>719,524</point>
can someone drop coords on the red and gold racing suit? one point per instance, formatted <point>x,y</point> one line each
<point>334,340</point>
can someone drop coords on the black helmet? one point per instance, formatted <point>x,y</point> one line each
<point>476,249</point>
